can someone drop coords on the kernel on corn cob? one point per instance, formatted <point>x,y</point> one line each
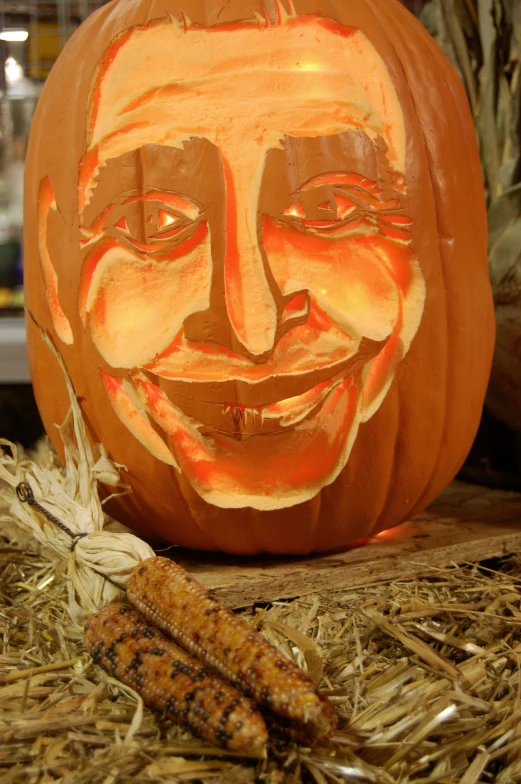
<point>170,681</point>
<point>186,612</point>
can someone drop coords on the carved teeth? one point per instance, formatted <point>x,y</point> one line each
<point>238,412</point>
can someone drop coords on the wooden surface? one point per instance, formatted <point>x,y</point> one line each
<point>466,523</point>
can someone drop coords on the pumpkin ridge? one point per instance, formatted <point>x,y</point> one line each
<point>433,486</point>
<point>395,387</point>
<point>383,9</point>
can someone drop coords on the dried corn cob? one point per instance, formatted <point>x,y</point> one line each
<point>171,681</point>
<point>183,609</point>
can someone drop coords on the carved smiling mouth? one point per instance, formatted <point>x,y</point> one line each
<point>238,421</point>
<point>279,416</point>
<point>200,420</point>
<point>230,396</point>
<point>225,416</point>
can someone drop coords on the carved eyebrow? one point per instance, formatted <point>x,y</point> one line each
<point>118,178</point>
<point>174,200</point>
<point>343,178</point>
<point>371,193</point>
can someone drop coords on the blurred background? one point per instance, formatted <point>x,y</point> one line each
<point>482,38</point>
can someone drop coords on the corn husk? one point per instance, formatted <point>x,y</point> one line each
<point>99,563</point>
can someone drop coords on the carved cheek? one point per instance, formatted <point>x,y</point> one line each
<point>346,277</point>
<point>136,305</point>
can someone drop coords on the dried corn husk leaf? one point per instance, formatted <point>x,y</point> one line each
<point>504,241</point>
<point>310,650</point>
<point>101,561</point>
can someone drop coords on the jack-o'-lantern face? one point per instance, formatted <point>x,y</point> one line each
<point>248,278</point>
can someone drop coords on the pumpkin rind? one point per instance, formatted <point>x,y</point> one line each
<point>415,441</point>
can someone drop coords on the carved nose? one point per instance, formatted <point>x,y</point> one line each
<point>212,325</point>
<point>250,301</point>
<point>248,313</point>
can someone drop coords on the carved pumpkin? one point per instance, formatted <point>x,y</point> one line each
<point>257,237</point>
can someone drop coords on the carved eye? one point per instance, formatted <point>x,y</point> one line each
<point>149,224</point>
<point>166,219</point>
<point>160,221</point>
<point>295,211</point>
<point>326,215</point>
<point>344,206</point>
<point>122,225</point>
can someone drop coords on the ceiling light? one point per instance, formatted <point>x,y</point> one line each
<point>14,35</point>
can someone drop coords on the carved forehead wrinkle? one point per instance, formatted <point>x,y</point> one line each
<point>306,76</point>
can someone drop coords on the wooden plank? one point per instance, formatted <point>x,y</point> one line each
<point>465,524</point>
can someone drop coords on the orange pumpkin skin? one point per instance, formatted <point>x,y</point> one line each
<point>413,439</point>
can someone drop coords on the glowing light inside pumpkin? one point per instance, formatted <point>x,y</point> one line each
<point>164,219</point>
<point>308,66</point>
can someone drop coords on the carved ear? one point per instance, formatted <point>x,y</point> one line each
<point>51,237</point>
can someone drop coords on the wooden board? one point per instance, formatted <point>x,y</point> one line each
<point>466,523</point>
